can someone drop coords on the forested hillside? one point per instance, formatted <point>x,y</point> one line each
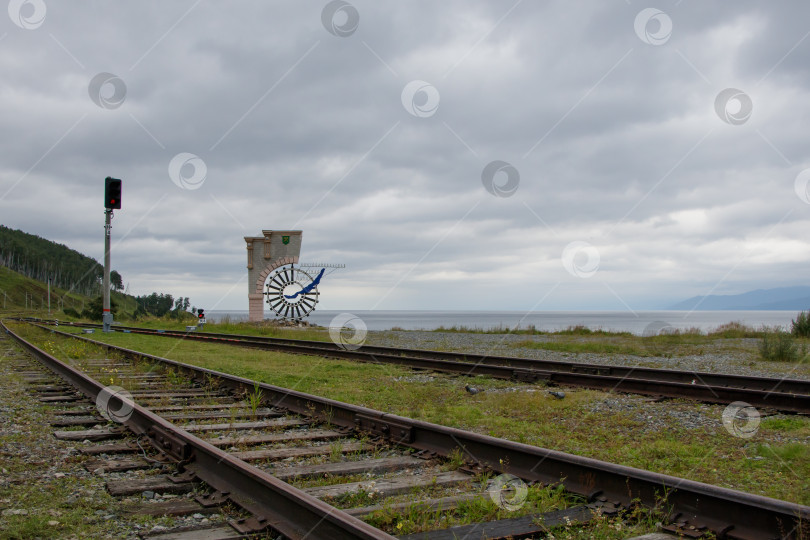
<point>28,262</point>
<point>41,259</point>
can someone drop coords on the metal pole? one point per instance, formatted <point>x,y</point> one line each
<point>107,317</point>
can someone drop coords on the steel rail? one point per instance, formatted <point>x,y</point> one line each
<point>787,395</point>
<point>285,508</point>
<point>725,512</point>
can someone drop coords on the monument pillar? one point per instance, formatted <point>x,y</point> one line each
<point>264,254</point>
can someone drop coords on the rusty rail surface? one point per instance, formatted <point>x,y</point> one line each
<point>787,395</point>
<point>691,506</point>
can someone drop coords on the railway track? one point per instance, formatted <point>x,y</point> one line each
<point>268,450</point>
<point>786,395</point>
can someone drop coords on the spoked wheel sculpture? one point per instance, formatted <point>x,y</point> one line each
<point>292,293</point>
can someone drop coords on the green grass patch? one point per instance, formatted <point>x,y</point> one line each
<point>736,329</point>
<point>780,346</point>
<point>261,329</point>
<point>789,453</point>
<point>787,423</point>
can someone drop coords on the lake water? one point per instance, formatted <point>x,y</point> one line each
<point>544,320</point>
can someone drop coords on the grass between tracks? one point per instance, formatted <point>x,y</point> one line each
<point>675,437</point>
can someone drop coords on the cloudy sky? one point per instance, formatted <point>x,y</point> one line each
<point>471,154</point>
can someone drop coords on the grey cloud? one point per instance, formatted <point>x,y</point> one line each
<point>291,122</point>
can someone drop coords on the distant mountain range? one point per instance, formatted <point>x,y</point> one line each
<point>783,298</point>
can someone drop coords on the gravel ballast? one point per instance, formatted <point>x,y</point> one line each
<point>743,361</point>
<point>45,490</point>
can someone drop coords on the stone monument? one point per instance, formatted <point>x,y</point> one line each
<point>264,254</point>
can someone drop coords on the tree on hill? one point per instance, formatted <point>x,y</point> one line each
<point>116,282</point>
<point>95,309</point>
<point>160,305</point>
<point>155,304</point>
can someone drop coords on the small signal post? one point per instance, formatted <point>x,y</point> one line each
<point>112,200</point>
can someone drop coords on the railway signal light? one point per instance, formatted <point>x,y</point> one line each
<point>112,193</point>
